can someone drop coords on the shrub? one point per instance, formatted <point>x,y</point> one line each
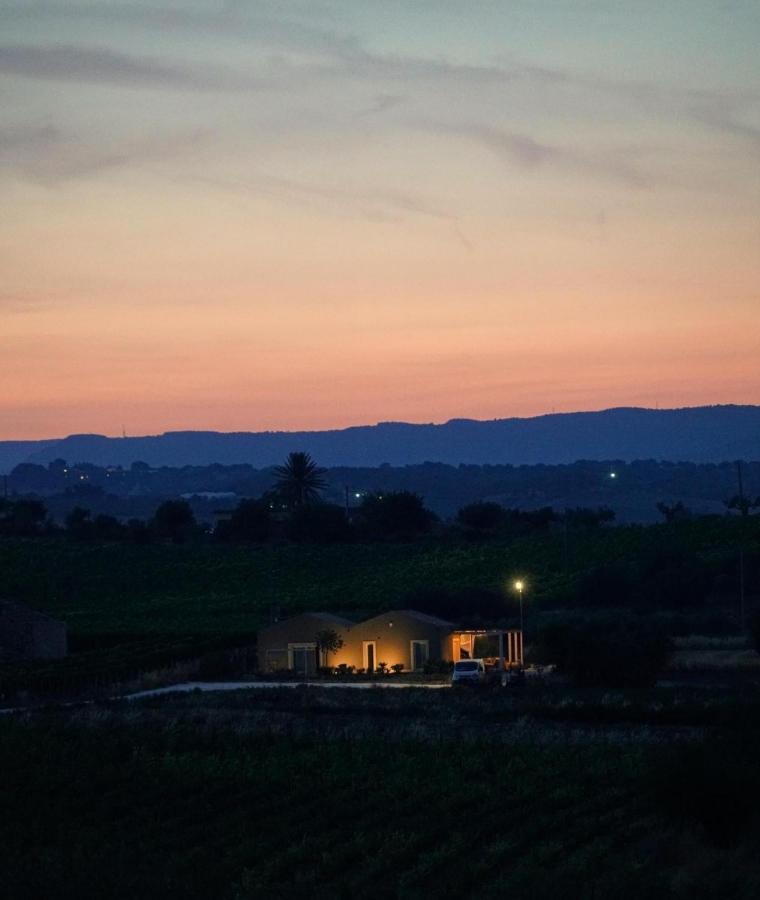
<point>398,668</point>
<point>438,667</point>
<point>394,514</point>
<point>485,516</point>
<point>318,523</point>
<point>605,655</point>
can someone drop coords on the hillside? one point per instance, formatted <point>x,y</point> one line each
<point>698,434</point>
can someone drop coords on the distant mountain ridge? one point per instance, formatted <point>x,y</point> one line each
<point>692,434</point>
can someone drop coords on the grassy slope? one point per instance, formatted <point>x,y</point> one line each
<point>209,589</point>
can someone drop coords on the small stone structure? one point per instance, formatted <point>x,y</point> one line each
<point>26,633</point>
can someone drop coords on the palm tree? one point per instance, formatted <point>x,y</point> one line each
<point>300,480</point>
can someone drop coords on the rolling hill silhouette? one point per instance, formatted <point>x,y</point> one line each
<point>697,434</point>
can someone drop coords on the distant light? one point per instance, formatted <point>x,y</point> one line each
<point>357,495</point>
<point>613,474</point>
<point>519,585</point>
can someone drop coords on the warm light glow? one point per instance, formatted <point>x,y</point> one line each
<point>519,586</point>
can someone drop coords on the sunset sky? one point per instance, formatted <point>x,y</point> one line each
<point>279,215</point>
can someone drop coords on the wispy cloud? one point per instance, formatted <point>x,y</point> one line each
<point>375,205</point>
<point>104,66</point>
<point>47,154</point>
<point>380,104</point>
<point>525,151</point>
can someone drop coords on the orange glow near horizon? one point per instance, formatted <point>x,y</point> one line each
<point>418,231</point>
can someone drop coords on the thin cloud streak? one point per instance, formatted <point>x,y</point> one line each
<point>372,205</point>
<point>48,155</point>
<point>528,153</point>
<point>64,62</point>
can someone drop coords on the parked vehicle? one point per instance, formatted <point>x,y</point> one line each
<point>469,671</point>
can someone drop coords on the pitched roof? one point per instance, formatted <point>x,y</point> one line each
<point>339,620</point>
<point>416,614</point>
<point>324,616</point>
<point>13,607</point>
<point>426,617</point>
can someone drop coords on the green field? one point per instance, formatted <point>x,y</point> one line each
<point>350,793</point>
<point>206,589</point>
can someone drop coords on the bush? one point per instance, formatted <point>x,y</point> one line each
<point>318,523</point>
<point>251,520</point>
<point>485,516</point>
<point>438,667</point>
<point>394,514</point>
<point>605,586</point>
<point>605,655</point>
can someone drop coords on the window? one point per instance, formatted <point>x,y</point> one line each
<point>420,651</point>
<point>302,658</point>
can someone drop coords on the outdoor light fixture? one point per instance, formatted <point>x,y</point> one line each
<point>519,585</point>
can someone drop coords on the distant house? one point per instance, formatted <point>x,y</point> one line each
<point>292,643</point>
<point>402,637</point>
<point>26,633</point>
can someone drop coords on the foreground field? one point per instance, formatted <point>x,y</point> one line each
<point>300,793</point>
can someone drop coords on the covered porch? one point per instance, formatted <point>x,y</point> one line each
<point>498,648</point>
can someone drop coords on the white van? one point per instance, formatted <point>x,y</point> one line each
<point>469,671</point>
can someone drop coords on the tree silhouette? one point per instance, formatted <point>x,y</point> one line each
<point>673,512</point>
<point>328,641</point>
<point>174,519</point>
<point>300,480</point>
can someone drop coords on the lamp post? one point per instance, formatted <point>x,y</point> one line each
<point>519,587</point>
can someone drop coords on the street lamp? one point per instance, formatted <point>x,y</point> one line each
<point>519,586</point>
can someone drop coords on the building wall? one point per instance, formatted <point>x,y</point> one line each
<point>27,634</point>
<point>274,640</point>
<point>392,633</point>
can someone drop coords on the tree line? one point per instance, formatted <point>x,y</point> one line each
<point>293,508</point>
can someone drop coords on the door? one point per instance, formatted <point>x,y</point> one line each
<point>370,663</point>
<point>303,658</point>
<point>419,654</point>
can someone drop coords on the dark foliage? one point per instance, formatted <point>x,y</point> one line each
<point>174,520</point>
<point>396,514</point>
<point>318,523</point>
<point>673,512</point>
<point>606,654</point>
<point>482,517</point>
<point>300,480</point>
<point>584,517</point>
<point>606,586</point>
<point>22,518</point>
<point>672,577</point>
<point>251,520</point>
<point>473,604</point>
